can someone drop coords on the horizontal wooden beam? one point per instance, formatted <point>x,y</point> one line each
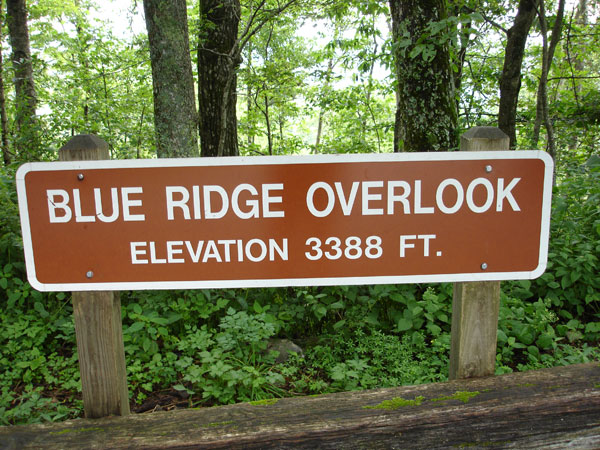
<point>551,408</point>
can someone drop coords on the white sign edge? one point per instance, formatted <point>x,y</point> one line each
<point>275,160</point>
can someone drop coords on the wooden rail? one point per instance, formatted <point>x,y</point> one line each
<point>551,409</point>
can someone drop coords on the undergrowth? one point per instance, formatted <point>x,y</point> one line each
<point>210,347</point>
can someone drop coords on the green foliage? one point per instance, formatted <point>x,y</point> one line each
<point>572,282</point>
<point>365,359</point>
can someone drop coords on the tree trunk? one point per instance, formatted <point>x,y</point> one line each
<point>542,112</point>
<point>250,137</point>
<point>576,59</point>
<point>26,98</point>
<point>6,156</point>
<point>218,60</point>
<point>426,114</point>
<point>175,117</point>
<point>510,80</point>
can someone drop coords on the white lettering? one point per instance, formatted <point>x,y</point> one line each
<point>267,199</point>
<point>505,193</point>
<point>263,250</point>
<point>171,251</point>
<point>367,197</point>
<point>77,207</point>
<point>346,203</point>
<point>439,196</point>
<point>194,252</point>
<point>253,203</point>
<point>208,212</point>
<point>153,258</point>
<point>311,203</point>
<point>392,197</point>
<point>489,199</point>
<point>418,208</point>
<point>404,245</point>
<point>54,204</point>
<point>226,246</point>
<point>426,238</point>
<point>135,252</point>
<point>211,252</point>
<point>114,195</point>
<point>130,203</point>
<point>181,203</point>
<point>274,247</point>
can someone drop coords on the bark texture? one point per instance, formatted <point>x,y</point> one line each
<point>218,60</point>
<point>426,112</point>
<point>510,80</point>
<point>551,409</point>
<point>26,99</point>
<point>175,116</point>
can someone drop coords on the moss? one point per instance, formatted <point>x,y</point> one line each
<point>75,430</point>
<point>463,396</point>
<point>397,402</point>
<point>266,402</point>
<point>219,424</point>
<point>597,386</point>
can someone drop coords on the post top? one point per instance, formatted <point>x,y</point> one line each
<point>84,147</point>
<point>85,142</point>
<point>485,133</point>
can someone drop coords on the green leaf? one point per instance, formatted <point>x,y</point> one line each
<point>339,324</point>
<point>592,327</point>
<point>134,328</point>
<point>404,325</point>
<point>502,336</point>
<point>320,311</point>
<point>3,283</point>
<point>434,329</point>
<point>545,341</point>
<point>222,303</point>
<point>40,309</point>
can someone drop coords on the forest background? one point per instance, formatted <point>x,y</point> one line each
<point>219,77</point>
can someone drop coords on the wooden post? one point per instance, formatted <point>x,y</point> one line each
<point>476,305</point>
<point>97,318</point>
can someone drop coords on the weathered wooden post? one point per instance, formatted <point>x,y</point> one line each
<point>97,318</point>
<point>476,305</point>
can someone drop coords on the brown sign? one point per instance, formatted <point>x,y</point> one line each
<point>279,221</point>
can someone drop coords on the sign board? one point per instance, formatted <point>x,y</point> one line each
<point>285,221</point>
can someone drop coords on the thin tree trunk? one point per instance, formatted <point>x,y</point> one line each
<point>542,112</point>
<point>27,137</point>
<point>268,123</point>
<point>510,80</point>
<point>218,60</point>
<point>576,62</point>
<point>6,156</point>
<point>250,137</point>
<point>426,112</point>
<point>175,117</point>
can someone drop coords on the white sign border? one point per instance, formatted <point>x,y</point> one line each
<point>275,160</point>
